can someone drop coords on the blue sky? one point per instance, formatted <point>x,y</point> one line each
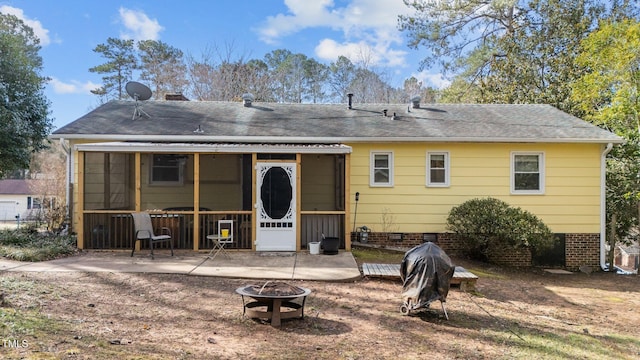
<point>69,30</point>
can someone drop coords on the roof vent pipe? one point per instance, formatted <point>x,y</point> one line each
<point>247,99</point>
<point>415,101</point>
<point>350,95</point>
<point>384,112</point>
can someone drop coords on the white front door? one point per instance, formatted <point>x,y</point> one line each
<point>276,207</point>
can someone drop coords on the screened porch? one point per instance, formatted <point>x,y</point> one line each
<point>189,192</point>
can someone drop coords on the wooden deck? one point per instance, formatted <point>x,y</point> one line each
<point>462,277</point>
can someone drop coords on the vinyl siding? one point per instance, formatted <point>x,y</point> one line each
<point>570,203</point>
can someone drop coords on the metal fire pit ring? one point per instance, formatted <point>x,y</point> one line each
<point>271,306</point>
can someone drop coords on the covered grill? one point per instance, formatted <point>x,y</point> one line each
<point>426,272</point>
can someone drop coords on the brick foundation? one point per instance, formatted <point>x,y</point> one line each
<point>580,249</point>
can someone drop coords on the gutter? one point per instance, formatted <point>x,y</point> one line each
<point>324,139</point>
<point>603,205</point>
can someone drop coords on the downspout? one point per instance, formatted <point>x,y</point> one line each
<point>603,205</point>
<point>67,151</point>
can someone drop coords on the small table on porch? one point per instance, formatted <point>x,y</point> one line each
<point>218,245</point>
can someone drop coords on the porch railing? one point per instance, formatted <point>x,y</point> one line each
<point>241,229</point>
<point>314,225</point>
<point>114,229</point>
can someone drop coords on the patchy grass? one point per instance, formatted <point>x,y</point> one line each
<point>20,323</point>
<point>376,256</point>
<point>22,320</point>
<point>486,274</point>
<point>29,244</point>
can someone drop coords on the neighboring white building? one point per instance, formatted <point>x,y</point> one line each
<point>627,257</point>
<point>18,197</point>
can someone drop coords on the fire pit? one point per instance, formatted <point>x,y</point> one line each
<point>273,301</point>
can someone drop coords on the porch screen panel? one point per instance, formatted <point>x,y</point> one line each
<point>221,181</point>
<point>158,191</point>
<point>322,181</point>
<point>120,191</point>
<point>107,181</point>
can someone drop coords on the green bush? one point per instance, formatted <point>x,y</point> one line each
<point>490,226</point>
<point>29,244</point>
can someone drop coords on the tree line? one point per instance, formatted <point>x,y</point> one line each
<point>221,75</point>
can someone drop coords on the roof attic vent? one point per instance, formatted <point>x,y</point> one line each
<point>247,99</point>
<point>415,101</point>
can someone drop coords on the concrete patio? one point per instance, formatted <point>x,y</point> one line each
<point>249,265</point>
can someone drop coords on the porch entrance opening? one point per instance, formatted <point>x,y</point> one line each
<point>276,206</point>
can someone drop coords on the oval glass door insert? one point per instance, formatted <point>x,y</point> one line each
<point>276,193</point>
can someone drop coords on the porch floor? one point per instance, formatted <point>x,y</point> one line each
<point>250,265</point>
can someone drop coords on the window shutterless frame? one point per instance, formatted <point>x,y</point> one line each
<point>438,169</point>
<point>166,169</point>
<point>527,173</point>
<point>381,169</point>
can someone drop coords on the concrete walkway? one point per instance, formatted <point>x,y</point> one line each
<point>248,265</point>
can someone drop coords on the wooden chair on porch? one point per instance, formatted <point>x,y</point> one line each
<point>224,237</point>
<point>144,231</point>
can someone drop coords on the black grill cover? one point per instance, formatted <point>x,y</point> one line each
<point>426,273</point>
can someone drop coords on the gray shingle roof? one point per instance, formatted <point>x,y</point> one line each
<point>225,121</point>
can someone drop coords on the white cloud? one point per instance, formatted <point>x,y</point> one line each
<point>365,24</point>
<point>436,80</point>
<point>38,29</point>
<point>361,52</point>
<point>329,49</point>
<point>73,87</point>
<point>303,14</point>
<point>138,25</point>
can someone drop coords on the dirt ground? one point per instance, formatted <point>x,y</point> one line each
<point>526,314</point>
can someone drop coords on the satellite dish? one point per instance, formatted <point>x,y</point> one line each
<point>140,92</point>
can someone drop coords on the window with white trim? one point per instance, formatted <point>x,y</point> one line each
<point>438,169</point>
<point>166,169</point>
<point>381,168</point>
<point>37,203</point>
<point>527,173</point>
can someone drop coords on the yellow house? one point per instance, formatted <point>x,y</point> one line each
<point>287,174</point>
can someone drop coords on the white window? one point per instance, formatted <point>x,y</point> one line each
<point>167,169</point>
<point>438,169</point>
<point>37,203</point>
<point>381,168</point>
<point>527,173</point>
